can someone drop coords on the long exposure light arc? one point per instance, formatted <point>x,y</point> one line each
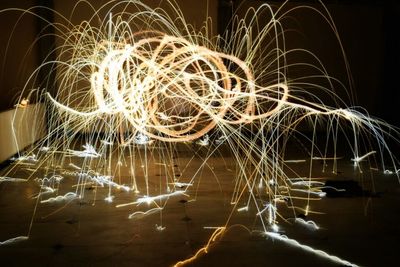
<point>128,89</point>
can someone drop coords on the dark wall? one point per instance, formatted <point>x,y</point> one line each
<point>389,94</point>
<point>18,53</point>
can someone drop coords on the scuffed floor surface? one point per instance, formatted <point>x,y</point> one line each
<point>362,229</point>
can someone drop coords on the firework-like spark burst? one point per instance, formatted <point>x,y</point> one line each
<point>135,86</point>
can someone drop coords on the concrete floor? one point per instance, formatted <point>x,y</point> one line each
<point>91,232</point>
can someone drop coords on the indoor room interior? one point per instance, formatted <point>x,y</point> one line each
<point>199,133</point>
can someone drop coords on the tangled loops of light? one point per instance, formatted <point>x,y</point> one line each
<point>132,83</point>
<point>173,90</point>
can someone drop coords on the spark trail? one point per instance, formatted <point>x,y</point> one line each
<point>133,92</point>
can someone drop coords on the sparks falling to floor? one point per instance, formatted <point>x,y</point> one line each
<point>134,99</point>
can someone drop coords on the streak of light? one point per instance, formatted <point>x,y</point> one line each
<point>217,234</point>
<point>11,179</point>
<point>294,160</point>
<point>151,199</point>
<point>358,159</point>
<point>13,240</point>
<point>309,224</point>
<point>67,197</point>
<point>88,152</point>
<point>141,214</point>
<point>320,253</point>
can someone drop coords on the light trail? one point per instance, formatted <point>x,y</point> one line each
<point>141,214</point>
<point>11,179</point>
<point>179,184</point>
<point>358,159</point>
<point>67,197</point>
<point>151,199</point>
<point>320,253</point>
<point>14,240</point>
<point>133,93</point>
<point>308,224</point>
<point>295,161</point>
<point>88,152</point>
<point>218,233</point>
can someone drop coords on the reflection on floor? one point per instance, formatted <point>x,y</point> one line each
<point>359,226</point>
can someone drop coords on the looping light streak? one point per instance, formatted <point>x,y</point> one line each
<point>124,86</point>
<point>309,224</point>
<point>67,197</point>
<point>140,85</point>
<point>141,214</point>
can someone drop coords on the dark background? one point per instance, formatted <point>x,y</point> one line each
<point>368,31</point>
